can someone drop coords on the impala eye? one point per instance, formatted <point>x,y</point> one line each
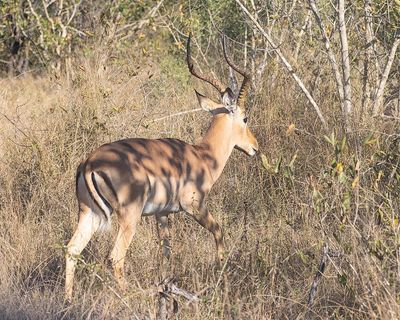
<point>245,119</point>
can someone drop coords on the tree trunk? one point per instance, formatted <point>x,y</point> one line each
<point>368,54</point>
<point>347,105</point>
<point>378,102</point>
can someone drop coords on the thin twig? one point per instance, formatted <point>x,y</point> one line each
<point>378,101</point>
<point>168,286</point>
<point>175,115</point>
<point>115,292</point>
<point>329,51</point>
<point>15,125</point>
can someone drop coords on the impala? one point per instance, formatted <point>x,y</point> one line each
<point>136,177</point>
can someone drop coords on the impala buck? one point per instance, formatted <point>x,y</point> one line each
<point>136,177</point>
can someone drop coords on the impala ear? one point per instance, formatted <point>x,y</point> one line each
<point>228,100</point>
<point>206,103</point>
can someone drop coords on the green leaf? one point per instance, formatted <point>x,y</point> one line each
<point>342,177</point>
<point>346,201</point>
<point>370,140</point>
<point>331,139</point>
<point>265,162</point>
<point>304,257</point>
<point>291,163</point>
<point>343,144</point>
<point>342,278</point>
<point>277,167</point>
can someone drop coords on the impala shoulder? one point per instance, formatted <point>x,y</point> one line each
<point>204,152</point>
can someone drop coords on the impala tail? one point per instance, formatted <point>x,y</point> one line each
<point>94,189</point>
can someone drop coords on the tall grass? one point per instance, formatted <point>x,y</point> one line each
<point>309,188</point>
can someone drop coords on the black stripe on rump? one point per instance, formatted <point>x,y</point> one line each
<point>99,193</point>
<point>77,176</point>
<point>107,181</point>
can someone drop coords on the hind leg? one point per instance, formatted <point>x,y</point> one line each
<point>88,223</point>
<point>128,219</point>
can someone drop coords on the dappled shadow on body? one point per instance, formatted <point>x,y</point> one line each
<point>158,172</point>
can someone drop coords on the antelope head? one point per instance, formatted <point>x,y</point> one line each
<point>230,106</point>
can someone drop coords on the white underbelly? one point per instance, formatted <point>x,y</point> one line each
<point>152,208</point>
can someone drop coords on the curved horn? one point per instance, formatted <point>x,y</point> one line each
<point>214,82</point>
<point>246,77</point>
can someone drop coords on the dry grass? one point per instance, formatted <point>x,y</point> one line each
<point>275,223</point>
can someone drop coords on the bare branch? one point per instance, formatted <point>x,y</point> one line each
<point>260,71</point>
<point>175,115</point>
<point>245,47</point>
<point>366,96</point>
<point>378,102</point>
<point>233,84</point>
<point>167,289</point>
<point>253,43</point>
<point>286,64</point>
<point>45,6</point>
<point>60,7</point>
<point>241,96</point>
<point>331,55</point>
<point>76,5</point>
<point>301,34</point>
<point>41,37</point>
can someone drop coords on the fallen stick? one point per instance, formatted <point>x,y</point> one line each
<point>167,289</point>
<point>317,278</point>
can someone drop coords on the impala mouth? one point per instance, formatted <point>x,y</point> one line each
<point>250,152</point>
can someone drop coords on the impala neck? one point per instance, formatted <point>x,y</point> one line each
<point>217,144</point>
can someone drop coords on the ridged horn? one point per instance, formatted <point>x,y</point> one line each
<point>244,88</point>
<point>214,82</point>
